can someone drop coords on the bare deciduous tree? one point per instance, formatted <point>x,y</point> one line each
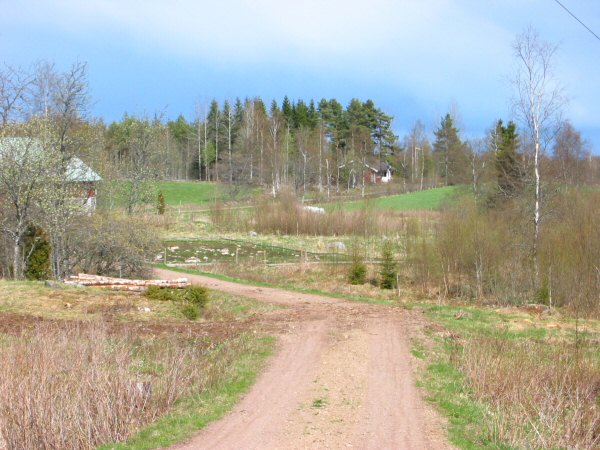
<point>570,152</point>
<point>538,103</point>
<point>14,87</point>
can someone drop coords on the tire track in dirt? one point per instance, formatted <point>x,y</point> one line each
<point>341,377</point>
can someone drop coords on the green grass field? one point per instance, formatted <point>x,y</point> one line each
<point>176,192</point>
<point>431,199</point>
<point>189,192</point>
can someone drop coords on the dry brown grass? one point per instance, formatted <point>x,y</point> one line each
<point>76,386</point>
<point>321,277</point>
<point>285,215</point>
<point>539,395</point>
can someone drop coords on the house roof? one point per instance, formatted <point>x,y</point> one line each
<point>77,170</point>
<point>383,167</point>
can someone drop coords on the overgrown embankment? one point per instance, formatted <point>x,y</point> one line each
<point>510,380</point>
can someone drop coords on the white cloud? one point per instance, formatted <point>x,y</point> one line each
<point>437,45</point>
<point>261,30</point>
<point>436,50</point>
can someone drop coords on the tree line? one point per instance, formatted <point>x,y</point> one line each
<point>321,146</point>
<point>297,143</point>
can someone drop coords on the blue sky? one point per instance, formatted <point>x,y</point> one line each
<point>417,59</point>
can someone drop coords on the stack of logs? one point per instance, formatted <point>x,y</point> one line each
<point>123,284</point>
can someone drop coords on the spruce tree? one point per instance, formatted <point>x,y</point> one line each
<point>162,204</point>
<point>37,247</point>
<point>388,271</point>
<point>358,270</point>
<point>507,161</point>
<point>451,152</point>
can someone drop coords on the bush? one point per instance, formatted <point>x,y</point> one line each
<point>110,245</point>
<point>196,295</point>
<point>190,311</point>
<point>192,299</point>
<point>160,294</point>
<point>388,267</point>
<point>38,248</point>
<point>162,204</point>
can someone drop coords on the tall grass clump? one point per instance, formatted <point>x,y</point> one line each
<point>78,386</point>
<point>539,395</point>
<point>285,214</point>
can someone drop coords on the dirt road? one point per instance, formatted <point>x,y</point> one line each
<point>341,377</point>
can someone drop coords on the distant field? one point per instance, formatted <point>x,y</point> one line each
<point>189,192</point>
<point>195,193</point>
<point>431,199</point>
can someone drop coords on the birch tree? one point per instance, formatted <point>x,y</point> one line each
<point>538,102</point>
<point>62,100</point>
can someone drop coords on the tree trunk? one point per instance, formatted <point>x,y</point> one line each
<point>206,161</point>
<point>422,167</point>
<point>320,160</point>
<point>17,259</point>
<point>536,216</point>
<point>199,153</point>
<point>229,147</point>
<point>217,146</point>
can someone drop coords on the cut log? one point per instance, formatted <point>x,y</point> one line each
<point>124,284</point>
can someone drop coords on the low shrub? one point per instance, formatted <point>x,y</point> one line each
<point>161,204</point>
<point>192,299</point>
<point>160,294</point>
<point>37,247</point>
<point>358,273</point>
<point>195,295</point>
<point>190,311</point>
